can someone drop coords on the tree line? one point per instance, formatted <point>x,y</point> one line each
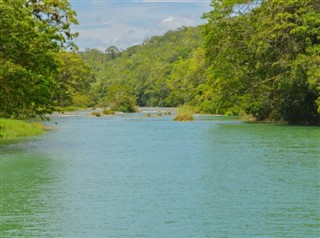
<point>164,71</point>
<point>257,58</point>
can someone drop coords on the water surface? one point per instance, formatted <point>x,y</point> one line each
<point>132,176</point>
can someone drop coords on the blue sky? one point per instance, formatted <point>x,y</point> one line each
<point>124,23</point>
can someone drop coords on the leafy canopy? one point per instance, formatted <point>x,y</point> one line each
<point>32,33</point>
<point>264,60</point>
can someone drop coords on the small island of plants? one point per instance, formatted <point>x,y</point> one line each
<point>184,113</point>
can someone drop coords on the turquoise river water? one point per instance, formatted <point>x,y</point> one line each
<point>133,176</point>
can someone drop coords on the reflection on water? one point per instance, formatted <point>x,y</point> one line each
<point>131,176</point>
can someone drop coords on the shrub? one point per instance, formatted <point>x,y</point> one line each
<point>121,99</point>
<point>97,114</point>
<point>107,112</point>
<point>184,113</point>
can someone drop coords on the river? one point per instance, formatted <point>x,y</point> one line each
<point>135,176</point>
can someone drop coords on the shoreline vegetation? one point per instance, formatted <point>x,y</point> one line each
<point>227,66</point>
<point>12,129</point>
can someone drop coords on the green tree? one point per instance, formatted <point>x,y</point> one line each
<point>120,98</point>
<point>261,57</point>
<point>31,34</point>
<point>185,78</point>
<point>151,70</point>
<point>73,81</point>
<point>113,52</point>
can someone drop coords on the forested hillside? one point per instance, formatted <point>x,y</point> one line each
<point>256,58</point>
<point>163,71</point>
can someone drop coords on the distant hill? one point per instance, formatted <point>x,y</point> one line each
<point>163,71</point>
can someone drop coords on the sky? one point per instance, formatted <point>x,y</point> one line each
<point>124,23</point>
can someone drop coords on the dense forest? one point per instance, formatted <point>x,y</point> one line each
<point>39,66</point>
<point>254,58</point>
<point>163,71</point>
<point>264,58</point>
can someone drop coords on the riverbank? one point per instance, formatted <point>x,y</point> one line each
<point>12,129</point>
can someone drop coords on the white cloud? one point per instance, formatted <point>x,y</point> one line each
<point>105,23</point>
<point>168,19</point>
<point>172,23</point>
<point>175,22</point>
<point>118,34</point>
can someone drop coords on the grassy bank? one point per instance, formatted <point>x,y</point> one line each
<point>12,129</point>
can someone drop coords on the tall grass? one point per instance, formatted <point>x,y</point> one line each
<point>184,113</point>
<point>11,129</point>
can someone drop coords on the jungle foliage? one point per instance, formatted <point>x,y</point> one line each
<point>264,58</point>
<point>38,70</point>
<point>163,71</point>
<point>259,58</point>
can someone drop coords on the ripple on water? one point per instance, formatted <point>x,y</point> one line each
<point>132,176</point>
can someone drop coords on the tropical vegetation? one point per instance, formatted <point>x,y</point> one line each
<point>38,68</point>
<point>264,58</point>
<point>163,71</point>
<point>259,58</point>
